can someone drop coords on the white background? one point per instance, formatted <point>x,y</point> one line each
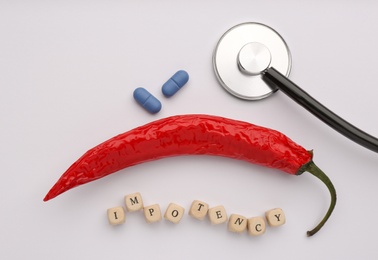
<point>67,73</point>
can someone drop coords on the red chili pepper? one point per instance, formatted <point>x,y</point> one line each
<point>188,135</point>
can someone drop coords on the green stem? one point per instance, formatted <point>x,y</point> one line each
<point>317,172</point>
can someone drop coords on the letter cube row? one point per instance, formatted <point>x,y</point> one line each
<point>256,225</point>
<point>217,215</point>
<point>152,213</point>
<point>237,223</point>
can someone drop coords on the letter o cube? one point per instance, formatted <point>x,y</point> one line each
<point>174,213</point>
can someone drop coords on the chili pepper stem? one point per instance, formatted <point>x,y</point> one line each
<point>317,172</point>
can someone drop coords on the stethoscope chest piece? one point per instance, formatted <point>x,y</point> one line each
<point>243,53</point>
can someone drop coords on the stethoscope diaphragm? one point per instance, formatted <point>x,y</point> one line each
<point>243,53</point>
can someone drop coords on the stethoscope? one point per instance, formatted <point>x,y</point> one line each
<point>252,61</point>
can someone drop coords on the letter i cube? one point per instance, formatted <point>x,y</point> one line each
<point>116,216</point>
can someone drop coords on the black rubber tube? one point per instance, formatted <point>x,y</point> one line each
<point>272,76</point>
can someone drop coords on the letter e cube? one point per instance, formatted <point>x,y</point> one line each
<point>217,215</point>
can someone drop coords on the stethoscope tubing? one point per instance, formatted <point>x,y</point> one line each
<point>271,75</point>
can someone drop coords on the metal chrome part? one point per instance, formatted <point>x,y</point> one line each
<point>254,58</point>
<point>243,53</point>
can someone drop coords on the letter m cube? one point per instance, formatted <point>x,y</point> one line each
<point>134,202</point>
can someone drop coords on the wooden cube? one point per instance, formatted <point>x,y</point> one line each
<point>237,223</point>
<point>152,213</point>
<point>217,215</point>
<point>174,213</point>
<point>134,202</point>
<point>275,217</point>
<point>256,226</point>
<point>199,209</point>
<point>116,216</point>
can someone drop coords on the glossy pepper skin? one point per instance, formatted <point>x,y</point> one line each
<point>187,135</point>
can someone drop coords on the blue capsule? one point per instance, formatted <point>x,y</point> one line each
<point>177,81</point>
<point>146,100</point>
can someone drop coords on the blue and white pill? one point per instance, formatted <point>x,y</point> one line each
<point>175,83</point>
<point>147,100</point>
